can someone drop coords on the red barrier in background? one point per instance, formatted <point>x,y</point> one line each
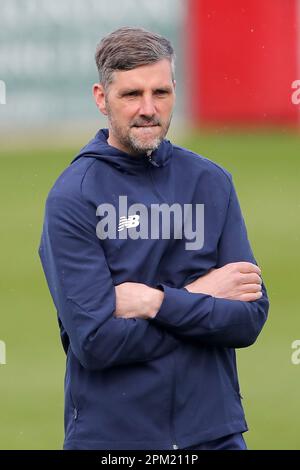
<point>241,60</point>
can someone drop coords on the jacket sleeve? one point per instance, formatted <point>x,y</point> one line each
<point>217,321</point>
<point>83,292</point>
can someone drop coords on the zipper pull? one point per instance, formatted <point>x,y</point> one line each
<point>150,159</point>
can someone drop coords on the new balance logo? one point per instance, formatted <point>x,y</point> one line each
<point>132,221</point>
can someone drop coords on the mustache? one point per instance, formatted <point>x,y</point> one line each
<point>146,122</point>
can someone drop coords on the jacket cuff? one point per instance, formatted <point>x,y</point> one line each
<point>176,304</point>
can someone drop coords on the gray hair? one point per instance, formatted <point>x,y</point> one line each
<point>128,48</point>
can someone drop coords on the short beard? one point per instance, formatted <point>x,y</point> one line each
<point>138,147</point>
<point>132,143</point>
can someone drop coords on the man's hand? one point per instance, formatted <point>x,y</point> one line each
<point>135,300</point>
<point>235,281</point>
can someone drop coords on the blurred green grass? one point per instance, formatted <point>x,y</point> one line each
<point>266,170</point>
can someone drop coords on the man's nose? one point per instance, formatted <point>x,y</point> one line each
<point>147,106</point>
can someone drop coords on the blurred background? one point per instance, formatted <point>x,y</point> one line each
<point>238,103</point>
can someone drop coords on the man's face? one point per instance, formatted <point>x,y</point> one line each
<point>139,105</point>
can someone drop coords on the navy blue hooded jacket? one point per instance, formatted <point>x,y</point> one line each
<point>163,383</point>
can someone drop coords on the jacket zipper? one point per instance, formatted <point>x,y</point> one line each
<point>74,405</point>
<point>172,430</point>
<point>152,161</point>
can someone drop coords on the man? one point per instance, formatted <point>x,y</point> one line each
<point>147,259</point>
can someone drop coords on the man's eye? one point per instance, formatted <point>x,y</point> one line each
<point>132,93</point>
<point>161,92</point>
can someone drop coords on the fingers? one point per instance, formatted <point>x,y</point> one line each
<point>250,297</point>
<point>251,278</point>
<point>250,288</point>
<point>245,267</point>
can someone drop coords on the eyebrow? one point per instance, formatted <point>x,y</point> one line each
<point>127,91</point>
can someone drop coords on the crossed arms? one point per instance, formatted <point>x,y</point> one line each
<point>235,281</point>
<point>109,326</point>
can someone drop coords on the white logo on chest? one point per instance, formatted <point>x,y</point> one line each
<point>132,221</point>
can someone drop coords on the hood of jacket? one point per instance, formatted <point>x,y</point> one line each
<point>99,148</point>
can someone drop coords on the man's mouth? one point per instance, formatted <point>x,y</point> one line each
<point>145,125</point>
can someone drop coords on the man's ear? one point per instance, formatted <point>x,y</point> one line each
<point>99,95</point>
<point>174,84</point>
